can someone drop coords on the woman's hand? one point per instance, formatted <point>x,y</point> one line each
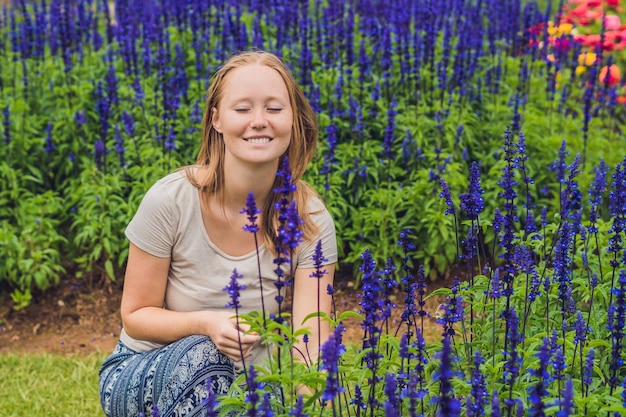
<point>223,331</point>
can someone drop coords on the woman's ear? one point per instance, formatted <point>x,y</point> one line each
<point>215,120</point>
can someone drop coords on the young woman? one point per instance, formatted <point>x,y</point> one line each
<point>188,236</point>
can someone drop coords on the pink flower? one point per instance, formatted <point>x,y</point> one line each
<point>612,22</point>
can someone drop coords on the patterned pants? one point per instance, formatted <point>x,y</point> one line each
<point>174,377</point>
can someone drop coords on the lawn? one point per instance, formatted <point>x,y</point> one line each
<point>52,385</point>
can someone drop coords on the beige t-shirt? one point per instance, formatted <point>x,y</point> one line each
<point>168,223</point>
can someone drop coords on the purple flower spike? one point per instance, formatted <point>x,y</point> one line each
<point>331,354</point>
<point>252,213</point>
<point>234,289</point>
<point>445,194</point>
<point>472,202</point>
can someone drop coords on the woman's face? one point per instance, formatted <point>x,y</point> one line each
<point>254,115</point>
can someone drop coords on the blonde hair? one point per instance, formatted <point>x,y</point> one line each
<point>300,151</point>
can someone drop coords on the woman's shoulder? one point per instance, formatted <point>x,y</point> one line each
<point>314,204</point>
<point>174,180</point>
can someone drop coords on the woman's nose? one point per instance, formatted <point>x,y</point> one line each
<point>258,119</point>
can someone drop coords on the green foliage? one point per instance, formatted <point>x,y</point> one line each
<point>377,182</point>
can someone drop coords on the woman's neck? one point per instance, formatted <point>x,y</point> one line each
<point>240,182</point>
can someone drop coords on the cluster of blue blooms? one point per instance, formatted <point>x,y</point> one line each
<point>547,301</point>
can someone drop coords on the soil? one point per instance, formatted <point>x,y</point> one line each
<point>77,319</point>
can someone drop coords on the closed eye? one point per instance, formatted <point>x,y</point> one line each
<point>274,109</point>
<point>242,110</point>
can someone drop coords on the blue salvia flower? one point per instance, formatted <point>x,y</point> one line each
<point>318,262</point>
<point>291,233</point>
<point>595,194</point>
<point>286,188</point>
<point>530,226</point>
<point>234,290</point>
<point>49,144</point>
<point>119,145</point>
<point>412,393</point>
<point>511,354</point>
<point>357,400</point>
<point>580,328</point>
<point>251,211</point>
<point>6,124</point>
<point>498,221</point>
<point>170,141</point>
<point>211,402</point>
<point>138,93</point>
<point>496,285</point>
<point>588,99</point>
<point>566,404</point>
<point>111,82</point>
<point>407,147</point>
<point>571,197</point>
<point>129,123</point>
<point>448,404</point>
<point>508,193</point>
<point>100,152</point>
<point>389,284</point>
<point>265,409</point>
<point>559,166</point>
<point>447,196</point>
<point>331,352</point>
<point>390,128</point>
<point>587,378</point>
<point>364,66</point>
<point>298,409</point>
<point>562,267</point>
<point>472,202</point>
<point>103,107</point>
<point>558,360</point>
<point>329,156</point>
<point>403,350</point>
<point>370,300</point>
<point>252,398</point>
<point>453,310</point>
<point>420,363</point>
<point>617,317</point>
<point>470,243</point>
<point>495,405</point>
<point>409,283</point>
<point>155,411</point>
<point>524,258</point>
<point>392,400</point>
<point>538,391</point>
<point>195,118</point>
<point>617,208</point>
<point>479,396</point>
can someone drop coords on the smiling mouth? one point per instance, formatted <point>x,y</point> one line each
<point>259,140</point>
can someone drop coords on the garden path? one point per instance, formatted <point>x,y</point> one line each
<point>72,319</point>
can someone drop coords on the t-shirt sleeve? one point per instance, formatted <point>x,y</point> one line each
<point>326,234</point>
<point>152,229</point>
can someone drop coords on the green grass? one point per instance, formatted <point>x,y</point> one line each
<point>49,385</point>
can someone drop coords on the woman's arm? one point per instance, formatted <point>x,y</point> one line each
<point>309,296</point>
<point>144,317</point>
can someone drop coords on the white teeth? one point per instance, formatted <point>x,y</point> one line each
<point>259,140</point>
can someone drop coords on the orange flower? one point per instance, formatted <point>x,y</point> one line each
<point>610,75</point>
